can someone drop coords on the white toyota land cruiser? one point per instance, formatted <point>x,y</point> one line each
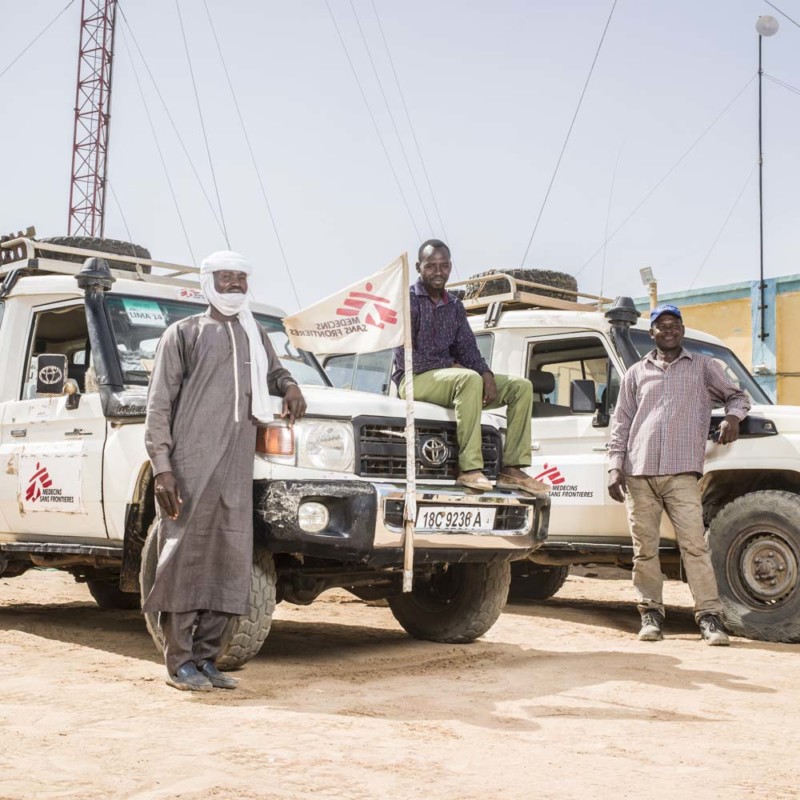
<point>76,488</point>
<point>574,353</point>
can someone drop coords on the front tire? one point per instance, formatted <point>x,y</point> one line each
<point>110,597</point>
<point>245,635</point>
<point>531,581</point>
<point>456,603</point>
<point>755,551</point>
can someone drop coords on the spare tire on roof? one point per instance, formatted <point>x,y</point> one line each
<point>559,280</point>
<point>113,246</point>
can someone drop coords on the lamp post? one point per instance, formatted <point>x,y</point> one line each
<point>765,26</point>
<point>649,280</point>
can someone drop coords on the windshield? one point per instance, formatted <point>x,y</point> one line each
<point>734,370</point>
<point>139,322</point>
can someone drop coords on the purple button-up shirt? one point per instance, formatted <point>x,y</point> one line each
<point>440,334</point>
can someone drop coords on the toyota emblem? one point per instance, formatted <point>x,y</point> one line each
<point>433,450</point>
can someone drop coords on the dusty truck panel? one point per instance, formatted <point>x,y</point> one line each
<point>76,487</point>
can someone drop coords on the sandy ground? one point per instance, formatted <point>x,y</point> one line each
<point>559,700</point>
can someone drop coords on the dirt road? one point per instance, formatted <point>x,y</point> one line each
<point>558,701</point>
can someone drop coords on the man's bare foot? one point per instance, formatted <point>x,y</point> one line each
<point>516,478</point>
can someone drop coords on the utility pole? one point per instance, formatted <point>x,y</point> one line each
<point>87,193</point>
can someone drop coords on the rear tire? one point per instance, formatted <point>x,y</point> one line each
<point>755,551</point>
<point>110,597</point>
<point>559,280</point>
<point>531,581</point>
<point>245,635</point>
<point>114,246</point>
<point>456,604</point>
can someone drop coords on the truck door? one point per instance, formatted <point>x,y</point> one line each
<point>51,454</point>
<point>568,451</point>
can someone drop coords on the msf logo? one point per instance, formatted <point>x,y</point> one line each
<point>39,481</point>
<point>372,309</point>
<point>552,475</point>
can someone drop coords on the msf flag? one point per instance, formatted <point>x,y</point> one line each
<point>362,318</point>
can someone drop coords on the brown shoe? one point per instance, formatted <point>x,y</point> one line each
<point>527,484</point>
<point>474,480</point>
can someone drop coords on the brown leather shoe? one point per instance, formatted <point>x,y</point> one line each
<point>474,480</point>
<point>527,484</point>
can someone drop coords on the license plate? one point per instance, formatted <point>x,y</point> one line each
<point>455,518</point>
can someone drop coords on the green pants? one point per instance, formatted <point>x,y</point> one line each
<point>462,390</point>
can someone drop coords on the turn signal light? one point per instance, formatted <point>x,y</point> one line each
<point>275,440</point>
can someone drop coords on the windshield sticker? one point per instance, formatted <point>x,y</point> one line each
<point>190,294</point>
<point>144,312</point>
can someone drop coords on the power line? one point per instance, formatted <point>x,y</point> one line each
<point>724,225</point>
<point>35,39</point>
<point>794,22</point>
<point>252,156</point>
<point>171,120</point>
<point>569,131</point>
<point>374,121</point>
<point>782,83</point>
<point>391,116</point>
<point>160,153</point>
<point>202,124</point>
<point>410,123</point>
<point>121,212</point>
<point>665,176</point>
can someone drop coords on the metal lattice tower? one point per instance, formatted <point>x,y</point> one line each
<point>87,193</point>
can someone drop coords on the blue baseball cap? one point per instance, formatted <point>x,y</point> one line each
<point>666,308</point>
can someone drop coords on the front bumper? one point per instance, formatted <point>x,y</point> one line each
<point>366,522</point>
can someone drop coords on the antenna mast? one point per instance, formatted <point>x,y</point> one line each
<point>87,193</point>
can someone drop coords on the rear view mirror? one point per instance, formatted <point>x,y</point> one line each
<point>582,397</point>
<point>51,373</point>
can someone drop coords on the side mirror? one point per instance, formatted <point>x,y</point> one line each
<point>582,397</point>
<point>51,373</point>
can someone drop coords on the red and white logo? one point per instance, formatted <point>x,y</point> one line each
<point>372,309</point>
<point>552,475</point>
<point>39,481</point>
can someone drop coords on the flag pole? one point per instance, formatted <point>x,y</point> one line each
<point>410,505</point>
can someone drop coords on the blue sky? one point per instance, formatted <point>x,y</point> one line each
<point>491,87</point>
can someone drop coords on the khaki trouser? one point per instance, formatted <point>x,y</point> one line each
<point>192,636</point>
<point>462,390</point>
<point>679,496</point>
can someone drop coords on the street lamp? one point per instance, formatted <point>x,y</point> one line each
<point>649,280</point>
<point>765,26</point>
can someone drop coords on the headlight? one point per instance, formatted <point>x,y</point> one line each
<point>314,444</point>
<point>326,445</point>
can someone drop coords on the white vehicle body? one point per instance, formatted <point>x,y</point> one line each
<point>76,486</point>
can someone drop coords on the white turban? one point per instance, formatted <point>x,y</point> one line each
<point>235,303</point>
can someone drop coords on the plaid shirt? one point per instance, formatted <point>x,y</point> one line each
<point>663,414</point>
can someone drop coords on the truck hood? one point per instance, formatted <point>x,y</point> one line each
<point>786,418</point>
<point>325,401</point>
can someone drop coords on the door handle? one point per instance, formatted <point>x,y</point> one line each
<point>77,432</point>
<point>536,446</point>
<point>600,447</point>
<point>18,433</point>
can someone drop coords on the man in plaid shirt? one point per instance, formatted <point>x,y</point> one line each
<point>657,449</point>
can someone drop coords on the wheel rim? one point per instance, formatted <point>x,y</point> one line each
<point>763,568</point>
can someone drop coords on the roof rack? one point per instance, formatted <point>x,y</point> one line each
<point>524,294</point>
<point>26,256</point>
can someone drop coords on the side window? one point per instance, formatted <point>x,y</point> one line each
<point>369,372</point>
<point>554,364</point>
<point>340,370</point>
<point>485,345</point>
<point>63,331</point>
